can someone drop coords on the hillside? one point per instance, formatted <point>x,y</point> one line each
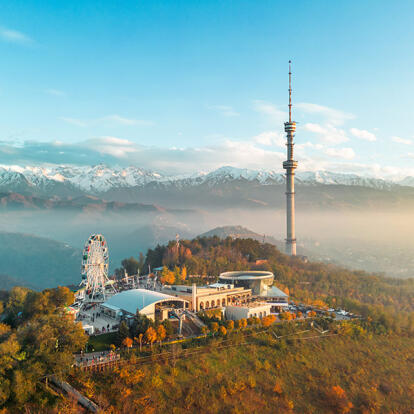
<point>288,367</point>
<point>361,292</point>
<point>17,201</point>
<point>8,282</point>
<point>339,374</point>
<point>37,262</point>
<point>241,232</point>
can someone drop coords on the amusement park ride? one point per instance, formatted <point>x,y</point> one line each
<point>95,286</point>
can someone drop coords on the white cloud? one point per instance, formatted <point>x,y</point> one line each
<point>125,121</point>
<point>270,110</point>
<point>55,92</point>
<point>363,134</point>
<point>242,154</point>
<point>117,147</point>
<point>74,121</point>
<point>400,140</point>
<point>269,138</point>
<point>310,145</point>
<point>333,116</point>
<point>225,110</point>
<point>328,133</point>
<point>343,153</point>
<point>109,119</point>
<point>14,36</point>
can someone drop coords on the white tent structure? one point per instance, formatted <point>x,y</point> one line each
<point>147,302</point>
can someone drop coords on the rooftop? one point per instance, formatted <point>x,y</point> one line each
<point>133,299</point>
<point>250,305</point>
<point>275,292</point>
<point>246,275</point>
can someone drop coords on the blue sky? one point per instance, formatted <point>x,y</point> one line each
<point>181,86</point>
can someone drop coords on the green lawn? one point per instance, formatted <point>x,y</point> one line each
<point>102,342</point>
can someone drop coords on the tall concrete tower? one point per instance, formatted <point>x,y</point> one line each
<point>290,165</point>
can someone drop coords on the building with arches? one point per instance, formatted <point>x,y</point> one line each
<point>217,295</point>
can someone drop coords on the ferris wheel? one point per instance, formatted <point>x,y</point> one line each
<point>95,261</point>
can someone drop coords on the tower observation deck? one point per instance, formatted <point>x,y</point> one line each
<point>290,165</point>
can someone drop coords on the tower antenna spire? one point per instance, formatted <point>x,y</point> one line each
<point>290,91</point>
<point>290,165</point>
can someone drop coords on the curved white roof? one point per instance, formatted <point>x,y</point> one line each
<point>131,300</point>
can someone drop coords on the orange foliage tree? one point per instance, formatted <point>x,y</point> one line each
<point>161,333</point>
<point>167,277</point>
<point>230,325</point>
<point>127,342</point>
<point>268,320</point>
<point>183,273</point>
<point>151,335</point>
<point>222,331</point>
<point>337,400</point>
<point>214,326</point>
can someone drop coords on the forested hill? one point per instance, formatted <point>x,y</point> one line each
<point>388,300</point>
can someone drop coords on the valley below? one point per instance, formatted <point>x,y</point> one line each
<point>357,223</point>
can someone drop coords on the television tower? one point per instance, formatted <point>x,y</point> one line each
<point>290,165</point>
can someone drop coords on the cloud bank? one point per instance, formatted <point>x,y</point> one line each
<point>254,154</point>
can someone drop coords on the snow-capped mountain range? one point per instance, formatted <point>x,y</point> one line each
<point>101,178</point>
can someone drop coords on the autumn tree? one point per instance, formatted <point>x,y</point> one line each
<point>214,326</point>
<point>161,333</point>
<point>177,274</point>
<point>268,320</point>
<point>140,336</point>
<point>230,325</point>
<point>222,331</point>
<point>183,274</point>
<point>337,400</point>
<point>169,330</point>
<point>167,277</point>
<point>278,388</point>
<point>127,342</point>
<point>61,296</point>
<point>151,335</point>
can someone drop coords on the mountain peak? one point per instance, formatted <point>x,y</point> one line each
<point>100,178</point>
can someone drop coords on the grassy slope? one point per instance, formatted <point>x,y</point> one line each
<point>377,374</point>
<point>102,342</point>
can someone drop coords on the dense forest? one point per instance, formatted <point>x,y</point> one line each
<point>37,338</point>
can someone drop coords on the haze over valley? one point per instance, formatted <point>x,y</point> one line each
<point>354,221</point>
